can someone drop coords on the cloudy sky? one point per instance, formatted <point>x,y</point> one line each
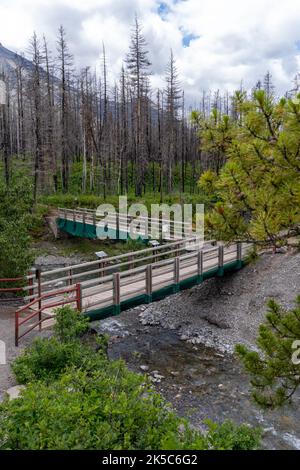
<point>217,44</point>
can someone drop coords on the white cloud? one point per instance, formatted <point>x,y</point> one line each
<point>236,40</point>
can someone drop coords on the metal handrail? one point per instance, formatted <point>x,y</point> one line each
<point>41,308</point>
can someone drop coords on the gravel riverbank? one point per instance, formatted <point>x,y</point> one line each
<point>222,312</point>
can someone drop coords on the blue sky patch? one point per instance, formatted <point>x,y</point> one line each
<point>163,9</point>
<point>187,38</point>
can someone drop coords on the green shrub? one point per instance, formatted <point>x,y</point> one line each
<point>35,220</point>
<point>110,408</point>
<point>228,436</point>
<point>47,358</point>
<point>70,324</point>
<point>15,219</point>
<point>15,254</point>
<point>16,199</point>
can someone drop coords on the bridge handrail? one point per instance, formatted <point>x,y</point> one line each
<point>82,211</point>
<point>125,255</point>
<point>75,288</point>
<point>14,289</point>
<point>102,270</point>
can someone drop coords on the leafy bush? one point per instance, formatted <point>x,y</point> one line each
<point>16,199</point>
<point>70,324</point>
<point>15,255</point>
<point>35,220</point>
<point>47,358</point>
<point>110,408</point>
<point>16,220</point>
<point>228,436</point>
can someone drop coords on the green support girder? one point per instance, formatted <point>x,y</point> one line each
<point>84,230</point>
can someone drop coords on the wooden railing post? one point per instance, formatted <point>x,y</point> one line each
<point>116,293</point>
<point>239,254</point>
<point>149,282</point>
<point>101,265</point>
<point>70,277</point>
<point>30,281</point>
<point>176,273</point>
<point>200,265</point>
<point>221,260</point>
<point>131,259</point>
<point>117,226</point>
<point>39,283</point>
<point>79,297</point>
<point>239,251</point>
<point>17,329</point>
<point>74,216</point>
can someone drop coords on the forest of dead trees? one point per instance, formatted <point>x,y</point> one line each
<point>122,136</point>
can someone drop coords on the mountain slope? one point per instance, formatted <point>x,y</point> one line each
<point>10,60</point>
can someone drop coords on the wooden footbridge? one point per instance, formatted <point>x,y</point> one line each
<point>105,287</point>
<point>87,223</point>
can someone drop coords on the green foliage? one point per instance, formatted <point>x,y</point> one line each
<point>35,220</point>
<point>17,220</point>
<point>15,254</point>
<point>208,181</point>
<point>258,188</point>
<point>70,324</point>
<point>109,408</point>
<point>228,436</point>
<point>251,255</point>
<point>46,359</point>
<point>16,199</point>
<point>76,398</point>
<point>274,375</point>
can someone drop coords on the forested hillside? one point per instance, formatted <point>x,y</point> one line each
<point>76,131</point>
<point>119,136</point>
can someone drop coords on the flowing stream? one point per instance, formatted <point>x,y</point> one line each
<point>198,381</point>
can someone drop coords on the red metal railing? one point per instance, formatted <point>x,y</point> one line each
<point>41,307</point>
<point>11,280</point>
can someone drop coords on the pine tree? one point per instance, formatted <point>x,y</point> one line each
<point>258,189</point>
<point>275,370</point>
<point>39,163</point>
<point>138,70</point>
<point>268,85</point>
<point>172,106</point>
<point>64,64</point>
